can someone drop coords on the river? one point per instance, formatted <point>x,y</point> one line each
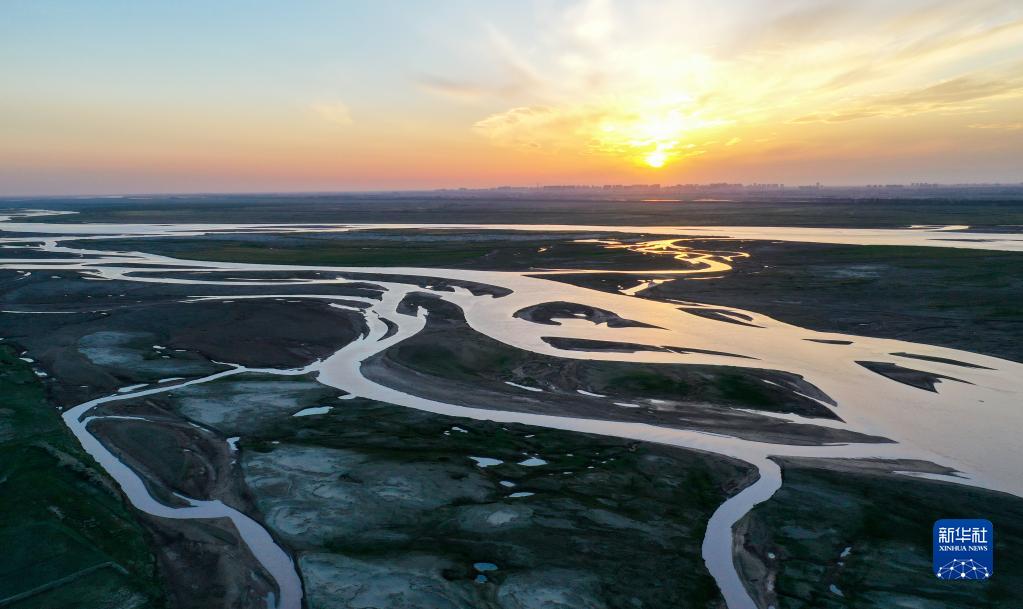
<point>970,426</point>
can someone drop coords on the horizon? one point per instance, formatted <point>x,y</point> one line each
<point>753,187</point>
<point>320,97</point>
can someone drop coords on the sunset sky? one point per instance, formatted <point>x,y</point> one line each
<point>202,96</point>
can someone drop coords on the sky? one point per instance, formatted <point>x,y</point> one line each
<point>108,97</point>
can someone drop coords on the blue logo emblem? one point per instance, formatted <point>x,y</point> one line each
<point>964,549</point>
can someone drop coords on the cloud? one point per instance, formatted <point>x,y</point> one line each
<point>455,89</point>
<point>794,27</point>
<point>511,73</point>
<point>591,21</point>
<point>925,39</point>
<point>515,65</point>
<point>958,40</point>
<point>536,127</point>
<point>600,129</point>
<point>334,112</point>
<point>628,79</point>
<point>955,95</point>
<point>997,126</point>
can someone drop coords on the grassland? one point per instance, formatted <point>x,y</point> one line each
<point>432,249</point>
<point>863,211</point>
<point>68,538</point>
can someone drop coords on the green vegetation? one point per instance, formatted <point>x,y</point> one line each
<point>466,363</point>
<point>450,351</point>
<point>340,254</point>
<point>68,538</point>
<point>502,250</point>
<point>886,521</point>
<point>739,388</point>
<point>648,384</point>
<point>954,208</point>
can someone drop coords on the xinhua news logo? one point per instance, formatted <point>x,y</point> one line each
<point>964,549</point>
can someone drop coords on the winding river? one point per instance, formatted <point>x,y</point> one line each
<point>982,449</point>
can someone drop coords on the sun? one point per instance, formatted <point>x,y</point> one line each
<point>656,159</point>
<point>652,133</point>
